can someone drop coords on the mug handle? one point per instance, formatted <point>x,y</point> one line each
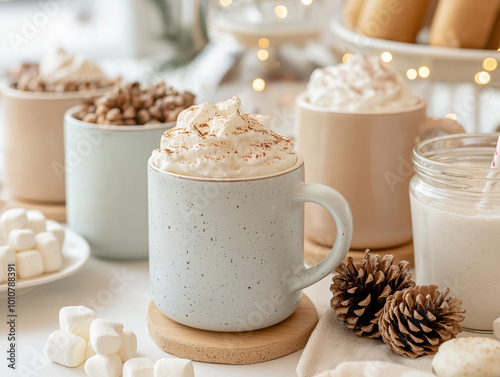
<point>338,207</point>
<point>432,126</point>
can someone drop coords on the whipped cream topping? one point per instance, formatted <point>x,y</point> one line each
<point>60,66</point>
<point>221,141</point>
<point>363,83</point>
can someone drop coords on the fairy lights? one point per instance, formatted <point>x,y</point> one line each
<point>258,85</point>
<point>263,43</point>
<point>262,54</point>
<point>490,64</point>
<point>281,11</point>
<point>346,57</point>
<point>482,78</point>
<point>412,74</point>
<point>386,57</point>
<point>424,72</point>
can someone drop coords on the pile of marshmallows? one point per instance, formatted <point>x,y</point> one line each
<point>30,241</point>
<point>105,345</point>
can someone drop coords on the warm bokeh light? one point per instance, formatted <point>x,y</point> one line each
<point>258,85</point>
<point>412,74</point>
<point>424,72</point>
<point>346,57</point>
<point>482,78</point>
<point>262,54</point>
<point>225,3</point>
<point>281,11</point>
<point>490,64</point>
<point>263,43</point>
<point>275,64</point>
<point>452,116</point>
<point>306,2</point>
<point>386,56</point>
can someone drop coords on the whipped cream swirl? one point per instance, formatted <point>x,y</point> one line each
<point>61,66</point>
<point>221,141</point>
<point>363,83</point>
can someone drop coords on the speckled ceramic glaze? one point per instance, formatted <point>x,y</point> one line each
<point>227,255</point>
<point>106,185</point>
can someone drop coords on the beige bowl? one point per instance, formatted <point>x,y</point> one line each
<point>33,141</point>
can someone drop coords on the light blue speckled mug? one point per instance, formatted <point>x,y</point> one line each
<point>106,185</point>
<point>227,254</point>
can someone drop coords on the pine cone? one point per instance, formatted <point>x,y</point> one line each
<point>415,321</point>
<point>360,291</point>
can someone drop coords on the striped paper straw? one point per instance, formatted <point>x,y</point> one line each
<point>496,159</point>
<point>495,163</point>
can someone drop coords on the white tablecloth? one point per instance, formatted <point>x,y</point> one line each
<point>117,291</point>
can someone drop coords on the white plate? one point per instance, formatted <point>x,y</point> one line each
<point>76,252</point>
<point>446,64</point>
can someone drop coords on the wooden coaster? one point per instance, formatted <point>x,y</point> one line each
<point>234,347</point>
<point>315,253</point>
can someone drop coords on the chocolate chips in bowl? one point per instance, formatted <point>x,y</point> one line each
<point>131,104</point>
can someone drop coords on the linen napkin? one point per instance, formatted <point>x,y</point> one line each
<point>332,343</point>
<point>373,369</point>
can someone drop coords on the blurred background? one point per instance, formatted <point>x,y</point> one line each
<point>263,51</point>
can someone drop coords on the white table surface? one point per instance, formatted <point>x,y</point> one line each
<point>125,300</point>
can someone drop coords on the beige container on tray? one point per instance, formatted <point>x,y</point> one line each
<point>33,142</point>
<point>351,11</point>
<point>494,40</point>
<point>393,20</point>
<point>366,156</point>
<point>463,23</point>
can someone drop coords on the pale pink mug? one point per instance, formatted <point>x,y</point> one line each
<point>366,156</point>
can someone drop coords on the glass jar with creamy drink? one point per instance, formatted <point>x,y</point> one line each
<point>455,205</point>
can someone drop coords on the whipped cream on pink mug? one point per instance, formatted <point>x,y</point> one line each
<point>363,83</point>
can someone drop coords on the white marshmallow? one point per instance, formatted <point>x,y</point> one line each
<point>76,320</point>
<point>90,351</point>
<point>36,221</point>
<point>139,367</point>
<point>21,239</point>
<point>7,255</point>
<point>466,357</point>
<point>106,336</point>
<point>65,349</point>
<point>496,328</point>
<point>48,245</point>
<point>174,368</point>
<point>58,231</point>
<point>128,349</point>
<point>103,366</point>
<point>14,218</point>
<point>29,263</point>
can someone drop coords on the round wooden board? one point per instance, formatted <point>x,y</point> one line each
<point>234,347</point>
<point>315,253</point>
